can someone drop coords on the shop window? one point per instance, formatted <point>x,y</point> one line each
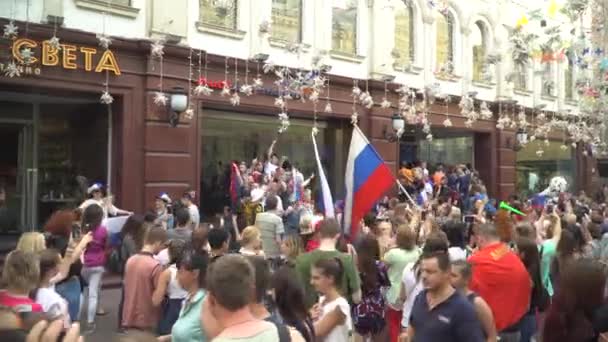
<point>404,35</point>
<point>344,27</point>
<point>445,42</point>
<point>534,171</point>
<point>219,13</point>
<point>287,20</point>
<point>479,42</point>
<point>569,80</point>
<point>228,137</point>
<point>446,150</point>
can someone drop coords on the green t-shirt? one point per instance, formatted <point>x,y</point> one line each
<point>187,328</point>
<point>548,249</point>
<point>350,279</point>
<point>396,259</point>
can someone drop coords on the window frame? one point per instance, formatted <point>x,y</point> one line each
<point>569,74</point>
<point>411,53</point>
<point>450,53</point>
<point>103,6</point>
<point>300,37</point>
<point>354,55</point>
<point>477,76</point>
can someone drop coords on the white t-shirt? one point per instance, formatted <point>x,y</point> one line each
<point>53,304</point>
<point>107,207</point>
<point>412,288</point>
<point>340,333</point>
<point>195,217</point>
<point>174,290</point>
<point>457,253</point>
<point>270,168</point>
<point>163,257</point>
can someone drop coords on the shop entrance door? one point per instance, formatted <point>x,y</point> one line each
<point>18,177</point>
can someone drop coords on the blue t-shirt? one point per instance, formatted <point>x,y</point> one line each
<point>453,320</point>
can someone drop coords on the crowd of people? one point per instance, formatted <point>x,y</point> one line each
<point>439,262</point>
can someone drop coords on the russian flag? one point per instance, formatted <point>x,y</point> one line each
<point>328,203</point>
<point>367,179</point>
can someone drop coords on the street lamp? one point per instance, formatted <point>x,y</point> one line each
<point>179,104</point>
<point>398,123</point>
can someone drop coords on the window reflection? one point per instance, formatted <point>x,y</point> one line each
<point>447,150</point>
<point>227,137</point>
<point>287,20</point>
<point>479,51</point>
<point>344,29</point>
<point>445,40</point>
<point>219,13</point>
<point>404,36</point>
<point>534,172</point>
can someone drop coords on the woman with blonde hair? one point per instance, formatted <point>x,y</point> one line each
<point>291,248</point>
<point>20,275</point>
<point>31,242</point>
<point>251,242</point>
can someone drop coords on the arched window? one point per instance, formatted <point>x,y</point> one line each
<point>344,27</point>
<point>404,35</point>
<point>445,41</point>
<point>479,38</point>
<point>287,20</point>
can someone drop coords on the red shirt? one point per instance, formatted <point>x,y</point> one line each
<point>19,304</point>
<point>311,245</point>
<point>502,280</point>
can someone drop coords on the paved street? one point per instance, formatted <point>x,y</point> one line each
<point>106,325</point>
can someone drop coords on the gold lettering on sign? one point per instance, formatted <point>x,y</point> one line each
<point>88,57</point>
<point>108,62</point>
<point>22,44</point>
<point>50,55</point>
<point>69,57</point>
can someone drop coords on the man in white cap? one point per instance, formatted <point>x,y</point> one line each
<point>163,217</point>
<point>95,193</point>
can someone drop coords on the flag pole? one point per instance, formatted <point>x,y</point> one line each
<point>380,157</point>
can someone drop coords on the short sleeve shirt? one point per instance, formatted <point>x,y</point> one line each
<point>350,279</point>
<point>412,287</point>
<point>187,328</point>
<point>340,333</point>
<point>453,320</point>
<point>271,227</point>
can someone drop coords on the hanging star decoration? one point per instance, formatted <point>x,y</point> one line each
<point>522,21</point>
<point>225,89</point>
<point>284,122</point>
<point>10,30</point>
<point>104,41</point>
<point>258,83</point>
<point>157,49</point>
<point>247,89</point>
<point>160,99</point>
<point>189,114</point>
<point>328,108</point>
<point>447,122</point>
<point>202,89</point>
<point>235,99</point>
<point>54,43</point>
<point>385,103</point>
<point>12,70</point>
<point>106,98</point>
<point>553,8</point>
<point>27,55</point>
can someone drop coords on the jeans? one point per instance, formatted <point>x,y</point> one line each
<point>509,336</point>
<point>70,291</point>
<point>92,276</point>
<point>528,327</point>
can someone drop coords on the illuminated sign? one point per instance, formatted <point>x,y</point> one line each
<point>66,57</point>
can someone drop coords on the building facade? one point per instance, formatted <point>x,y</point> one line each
<point>64,137</point>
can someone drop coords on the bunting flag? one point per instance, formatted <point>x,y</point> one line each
<point>367,179</point>
<point>235,183</point>
<point>328,203</point>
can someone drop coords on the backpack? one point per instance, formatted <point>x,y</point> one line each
<point>284,335</point>
<point>115,262</point>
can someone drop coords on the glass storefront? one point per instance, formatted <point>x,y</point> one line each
<point>50,151</point>
<point>534,172</point>
<point>228,137</point>
<point>445,148</point>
